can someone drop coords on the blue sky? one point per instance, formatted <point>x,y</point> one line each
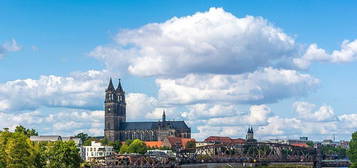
<point>54,45</point>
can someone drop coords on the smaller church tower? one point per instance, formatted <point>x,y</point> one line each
<point>250,134</point>
<point>163,117</point>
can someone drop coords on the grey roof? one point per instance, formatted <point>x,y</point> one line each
<point>51,138</point>
<point>152,125</point>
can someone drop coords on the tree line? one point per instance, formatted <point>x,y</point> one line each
<point>17,151</point>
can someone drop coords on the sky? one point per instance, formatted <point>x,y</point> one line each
<point>287,68</point>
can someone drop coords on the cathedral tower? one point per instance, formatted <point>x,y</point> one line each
<point>250,134</point>
<point>115,111</point>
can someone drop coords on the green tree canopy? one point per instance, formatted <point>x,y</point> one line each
<point>82,136</point>
<point>352,152</point>
<point>63,154</point>
<point>134,146</point>
<point>104,141</point>
<point>27,132</point>
<point>17,151</point>
<point>137,146</point>
<point>116,145</point>
<point>89,141</point>
<point>191,144</point>
<point>124,148</point>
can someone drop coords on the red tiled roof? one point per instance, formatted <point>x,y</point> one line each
<point>301,145</point>
<point>238,140</point>
<point>179,141</point>
<point>153,144</point>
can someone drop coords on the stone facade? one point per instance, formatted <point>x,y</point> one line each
<point>117,129</point>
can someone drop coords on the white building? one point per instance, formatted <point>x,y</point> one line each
<point>96,150</point>
<point>203,143</point>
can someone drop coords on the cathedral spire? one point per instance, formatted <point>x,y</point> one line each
<point>110,86</point>
<point>163,117</point>
<point>119,88</point>
<point>250,129</point>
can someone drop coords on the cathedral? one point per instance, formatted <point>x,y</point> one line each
<point>118,129</point>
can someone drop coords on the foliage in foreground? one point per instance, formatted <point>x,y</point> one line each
<point>17,151</point>
<point>352,152</point>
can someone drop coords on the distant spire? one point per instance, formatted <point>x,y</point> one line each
<point>250,129</point>
<point>119,88</point>
<point>110,86</point>
<point>163,116</point>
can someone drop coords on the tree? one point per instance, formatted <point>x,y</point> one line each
<point>32,132</point>
<point>124,148</point>
<point>4,137</point>
<point>137,146</point>
<point>16,150</point>
<point>116,145</point>
<point>63,154</point>
<point>39,155</point>
<point>134,146</point>
<point>82,136</point>
<point>129,141</point>
<point>19,151</point>
<point>191,144</point>
<point>89,141</point>
<point>104,141</point>
<point>27,132</point>
<point>352,152</point>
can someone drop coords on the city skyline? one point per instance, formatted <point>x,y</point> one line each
<point>285,68</point>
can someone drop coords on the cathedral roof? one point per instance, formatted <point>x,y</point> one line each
<point>152,125</point>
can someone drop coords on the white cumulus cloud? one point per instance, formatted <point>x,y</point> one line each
<point>263,86</point>
<point>309,111</point>
<point>347,53</point>
<point>214,41</point>
<point>80,90</point>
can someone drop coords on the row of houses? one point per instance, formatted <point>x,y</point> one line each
<point>96,149</point>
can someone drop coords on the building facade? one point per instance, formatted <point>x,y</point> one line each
<point>95,150</point>
<point>118,129</point>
